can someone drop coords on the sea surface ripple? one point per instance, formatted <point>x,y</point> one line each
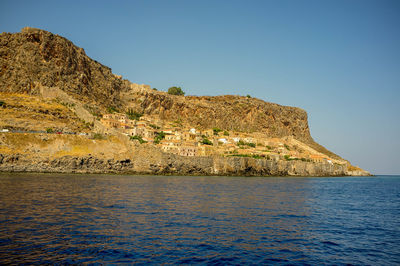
<point>113,219</point>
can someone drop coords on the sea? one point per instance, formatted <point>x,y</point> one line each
<point>197,220</point>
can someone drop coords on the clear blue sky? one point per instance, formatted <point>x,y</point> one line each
<point>338,60</point>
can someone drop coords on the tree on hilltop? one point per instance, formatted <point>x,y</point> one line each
<point>176,91</point>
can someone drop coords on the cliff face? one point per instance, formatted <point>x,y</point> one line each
<point>81,154</point>
<point>170,165</point>
<point>34,58</point>
<point>228,112</point>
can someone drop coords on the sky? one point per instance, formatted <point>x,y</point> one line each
<point>338,60</point>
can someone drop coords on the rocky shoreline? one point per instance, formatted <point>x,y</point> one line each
<point>172,165</point>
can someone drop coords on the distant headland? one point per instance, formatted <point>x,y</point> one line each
<point>61,111</point>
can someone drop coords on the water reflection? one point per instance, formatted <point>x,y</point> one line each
<point>77,219</point>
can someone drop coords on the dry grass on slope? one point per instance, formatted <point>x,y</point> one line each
<point>27,112</point>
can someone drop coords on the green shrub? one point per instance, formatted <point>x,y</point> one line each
<point>177,123</point>
<point>155,89</point>
<point>250,144</point>
<point>287,147</point>
<point>268,147</point>
<point>133,115</point>
<point>226,133</point>
<point>112,109</point>
<point>216,130</point>
<point>98,136</point>
<point>287,157</point>
<point>154,126</point>
<point>239,155</point>
<point>206,141</point>
<point>248,96</point>
<point>139,138</point>
<point>240,142</point>
<point>159,136</point>
<point>176,91</point>
<point>2,104</point>
<point>255,156</point>
<point>88,125</point>
<point>49,130</point>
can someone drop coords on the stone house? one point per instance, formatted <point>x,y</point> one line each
<point>141,130</point>
<point>317,158</point>
<point>236,139</point>
<point>223,140</point>
<point>205,150</point>
<point>171,146</point>
<point>208,133</point>
<point>110,123</point>
<point>169,137</point>
<point>115,121</point>
<point>169,131</point>
<point>249,140</point>
<point>187,150</point>
<point>174,136</point>
<point>188,136</point>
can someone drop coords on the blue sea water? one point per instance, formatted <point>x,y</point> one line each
<point>112,219</point>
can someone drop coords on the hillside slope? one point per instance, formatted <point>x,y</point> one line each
<point>34,58</point>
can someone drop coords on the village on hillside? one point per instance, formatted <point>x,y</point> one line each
<point>173,137</point>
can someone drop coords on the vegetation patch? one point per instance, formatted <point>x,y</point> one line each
<point>93,110</point>
<point>154,126</point>
<point>139,138</point>
<point>112,109</point>
<point>176,91</point>
<point>98,136</point>
<point>288,158</point>
<point>133,115</point>
<point>254,156</point>
<point>177,123</point>
<point>206,141</point>
<point>159,136</point>
<point>242,143</point>
<point>216,131</point>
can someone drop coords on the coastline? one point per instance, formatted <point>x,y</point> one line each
<point>170,164</point>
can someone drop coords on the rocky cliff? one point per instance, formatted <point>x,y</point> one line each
<point>228,112</point>
<point>80,154</point>
<point>170,165</point>
<point>37,62</point>
<point>34,58</point>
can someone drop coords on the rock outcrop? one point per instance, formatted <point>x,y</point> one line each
<point>21,152</point>
<point>40,63</point>
<point>227,112</point>
<point>170,165</point>
<point>34,58</point>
